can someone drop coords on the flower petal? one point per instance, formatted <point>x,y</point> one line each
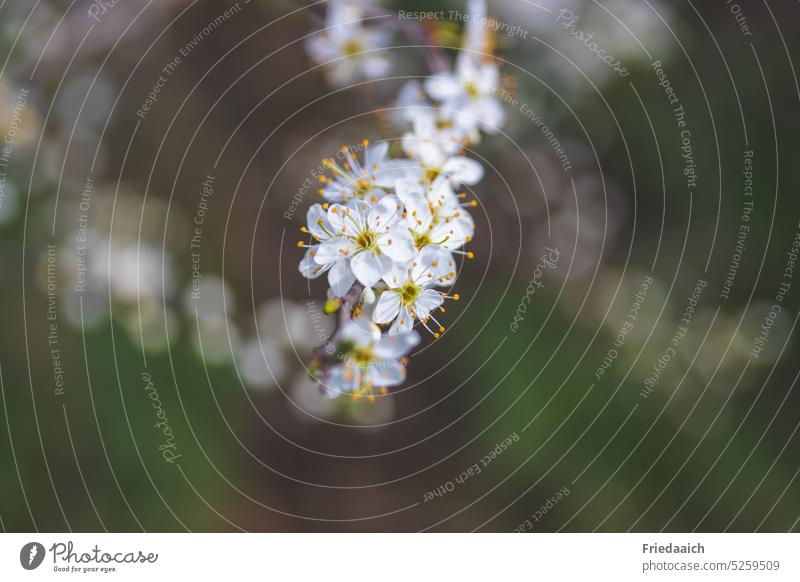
<point>308,267</point>
<point>341,278</point>
<point>463,170</point>
<point>427,301</point>
<point>396,346</point>
<point>384,214</point>
<point>391,170</point>
<point>386,373</point>
<point>333,250</point>
<point>338,381</point>
<point>396,274</point>
<point>387,308</point>
<point>403,324</point>
<point>361,332</point>
<point>398,244</point>
<point>368,268</point>
<point>443,87</point>
<point>317,220</point>
<point>375,155</point>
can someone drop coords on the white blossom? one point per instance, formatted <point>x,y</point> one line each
<point>392,226</point>
<point>355,179</point>
<point>471,93</point>
<point>359,240</point>
<point>369,360</point>
<point>348,47</point>
<point>410,295</point>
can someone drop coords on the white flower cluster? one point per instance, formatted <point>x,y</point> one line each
<point>390,228</point>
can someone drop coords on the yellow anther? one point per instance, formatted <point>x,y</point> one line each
<point>470,255</point>
<point>456,297</point>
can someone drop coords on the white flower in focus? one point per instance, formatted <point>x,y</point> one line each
<point>364,241</point>
<point>410,297</point>
<point>471,92</point>
<point>431,163</point>
<point>346,46</point>
<point>369,360</point>
<point>340,277</point>
<point>439,222</point>
<point>354,179</point>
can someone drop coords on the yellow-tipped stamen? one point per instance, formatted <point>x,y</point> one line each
<point>470,255</point>
<point>383,390</point>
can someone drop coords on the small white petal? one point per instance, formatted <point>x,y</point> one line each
<point>443,87</point>
<point>463,170</point>
<point>384,214</point>
<point>384,373</point>
<point>396,274</point>
<point>367,267</point>
<point>375,154</point>
<point>309,268</point>
<point>396,346</point>
<point>387,308</point>
<point>314,215</point>
<point>427,301</point>
<point>333,250</point>
<point>361,332</point>
<point>403,324</point>
<point>398,244</point>
<point>368,296</point>
<point>338,382</point>
<point>341,278</point>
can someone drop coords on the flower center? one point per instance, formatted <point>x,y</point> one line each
<point>366,239</point>
<point>443,123</point>
<point>409,293</point>
<point>432,174</point>
<point>351,48</point>
<point>472,90</point>
<point>362,357</point>
<point>422,240</point>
